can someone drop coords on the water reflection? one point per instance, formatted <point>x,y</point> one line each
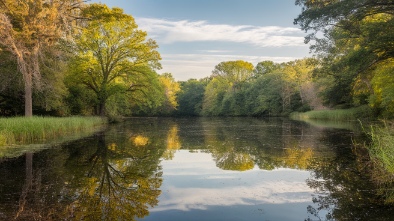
<point>172,142</point>
<point>202,191</point>
<point>106,177</point>
<point>197,169</point>
<point>117,181</point>
<point>345,189</point>
<point>267,144</point>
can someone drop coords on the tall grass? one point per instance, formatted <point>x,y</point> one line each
<point>381,149</point>
<point>382,145</point>
<point>356,113</point>
<point>22,130</point>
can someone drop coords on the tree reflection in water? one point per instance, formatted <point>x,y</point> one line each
<point>172,142</point>
<point>344,186</point>
<point>105,177</point>
<point>119,183</point>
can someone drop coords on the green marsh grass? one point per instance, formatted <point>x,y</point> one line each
<point>362,112</point>
<point>382,145</point>
<point>381,151</point>
<point>22,130</point>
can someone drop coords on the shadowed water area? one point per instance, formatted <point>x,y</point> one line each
<point>199,169</point>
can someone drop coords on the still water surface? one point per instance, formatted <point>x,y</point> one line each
<point>197,169</point>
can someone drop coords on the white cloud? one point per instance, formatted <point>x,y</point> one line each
<point>186,66</point>
<point>214,51</point>
<point>167,32</point>
<point>279,192</point>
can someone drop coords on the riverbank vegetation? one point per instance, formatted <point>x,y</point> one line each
<point>22,130</point>
<point>351,114</point>
<point>381,146</point>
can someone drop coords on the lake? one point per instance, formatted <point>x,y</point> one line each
<point>199,169</point>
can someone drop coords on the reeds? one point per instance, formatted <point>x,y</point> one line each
<point>382,145</point>
<point>23,130</point>
<point>356,113</point>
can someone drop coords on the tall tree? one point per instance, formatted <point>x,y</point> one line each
<point>264,67</point>
<point>191,97</point>
<point>213,97</point>
<point>11,86</point>
<point>26,27</point>
<point>357,38</point>
<point>235,72</point>
<point>363,27</point>
<point>171,89</point>
<point>113,55</point>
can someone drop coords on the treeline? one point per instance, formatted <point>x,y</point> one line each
<point>73,58</point>
<point>237,88</point>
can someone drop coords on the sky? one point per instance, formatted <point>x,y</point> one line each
<point>196,35</point>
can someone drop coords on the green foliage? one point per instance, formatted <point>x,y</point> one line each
<point>265,96</point>
<point>49,93</point>
<point>213,96</point>
<point>272,90</point>
<point>264,67</point>
<point>234,72</point>
<point>11,86</point>
<point>383,90</point>
<point>190,98</point>
<point>356,42</point>
<point>171,89</point>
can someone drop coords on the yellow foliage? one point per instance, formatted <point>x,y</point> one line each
<point>382,86</point>
<point>173,142</point>
<point>298,158</point>
<point>140,140</point>
<point>112,146</point>
<point>171,88</point>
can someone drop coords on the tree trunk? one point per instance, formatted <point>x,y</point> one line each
<point>102,108</point>
<point>28,95</point>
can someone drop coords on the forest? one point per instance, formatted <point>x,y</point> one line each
<point>64,58</point>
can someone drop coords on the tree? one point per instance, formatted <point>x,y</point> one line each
<point>264,67</point>
<point>300,73</point>
<point>322,16</point>
<point>112,56</point>
<point>213,97</point>
<point>264,96</point>
<point>11,86</point>
<point>357,39</point>
<point>171,89</point>
<point>235,72</point>
<point>228,79</point>
<point>28,26</point>
<point>383,90</point>
<point>191,97</point>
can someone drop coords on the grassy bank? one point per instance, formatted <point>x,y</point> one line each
<point>21,130</point>
<point>356,113</point>
<point>381,151</point>
<point>382,145</point>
